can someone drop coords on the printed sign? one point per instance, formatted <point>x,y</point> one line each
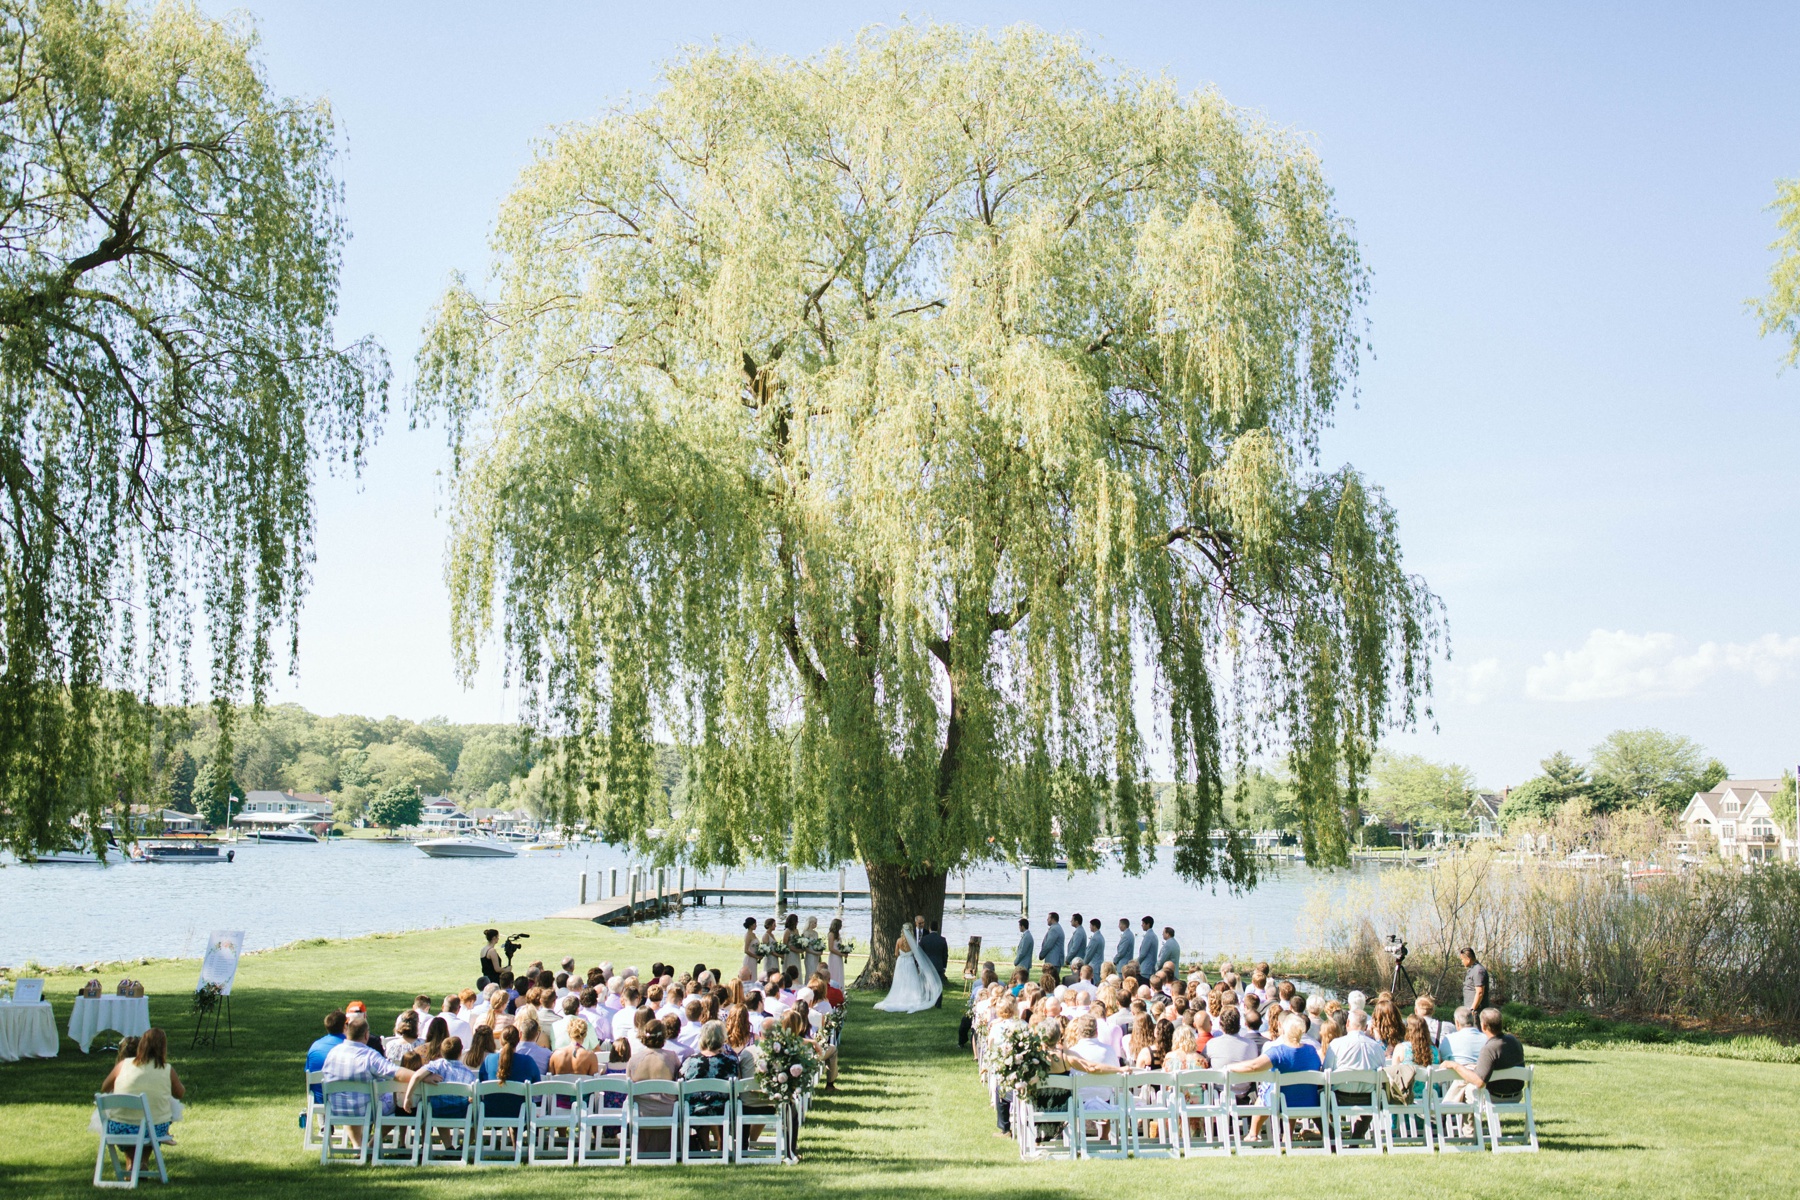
<point>28,991</point>
<point>219,967</point>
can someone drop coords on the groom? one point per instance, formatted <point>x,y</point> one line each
<point>938,951</point>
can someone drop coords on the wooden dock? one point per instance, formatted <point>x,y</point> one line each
<point>650,893</point>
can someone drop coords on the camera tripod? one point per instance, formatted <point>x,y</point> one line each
<point>1400,972</point>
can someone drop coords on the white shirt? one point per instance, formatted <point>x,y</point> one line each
<point>458,1028</point>
<point>624,1022</point>
<point>757,1021</point>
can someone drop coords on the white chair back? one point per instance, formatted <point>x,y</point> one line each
<point>111,1168</point>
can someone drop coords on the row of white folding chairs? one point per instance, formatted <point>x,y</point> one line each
<point>566,1119</point>
<point>1199,1112</point>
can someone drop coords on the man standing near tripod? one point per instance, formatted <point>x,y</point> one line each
<point>1475,981</point>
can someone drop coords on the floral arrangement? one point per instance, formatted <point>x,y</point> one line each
<point>846,947</point>
<point>206,998</point>
<point>768,948</point>
<point>1016,1060</point>
<point>813,945</point>
<point>832,1025</point>
<point>786,1066</point>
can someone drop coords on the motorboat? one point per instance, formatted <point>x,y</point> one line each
<point>78,855</point>
<point>287,833</point>
<point>183,852</point>
<point>467,847</point>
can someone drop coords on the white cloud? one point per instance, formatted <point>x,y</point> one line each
<point>1614,664</point>
<point>1472,683</point>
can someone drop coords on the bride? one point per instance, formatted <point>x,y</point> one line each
<point>917,984</point>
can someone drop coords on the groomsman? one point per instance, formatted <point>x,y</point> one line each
<point>1022,956</point>
<point>1052,951</point>
<point>1096,946</point>
<point>1125,951</point>
<point>1170,954</point>
<point>1077,940</point>
<point>1146,949</point>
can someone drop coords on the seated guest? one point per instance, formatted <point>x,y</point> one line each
<point>575,1058</point>
<point>1291,1053</point>
<point>149,1073</point>
<point>656,1061</point>
<point>445,1068</point>
<point>1499,1050</point>
<point>1465,1043</point>
<point>710,1060</point>
<point>797,1022</point>
<point>531,1042</point>
<point>671,1027</point>
<point>625,1021</point>
<point>334,1036</point>
<point>453,1018</point>
<point>354,1060</point>
<point>406,1036</point>
<point>507,1065</point>
<point>1425,1008</point>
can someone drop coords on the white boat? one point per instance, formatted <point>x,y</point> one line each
<point>467,847</point>
<point>287,833</point>
<point>77,855</point>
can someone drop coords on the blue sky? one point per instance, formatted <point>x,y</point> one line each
<point>1591,451</point>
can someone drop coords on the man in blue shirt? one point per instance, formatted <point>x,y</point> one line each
<point>1464,1046</point>
<point>334,1034</point>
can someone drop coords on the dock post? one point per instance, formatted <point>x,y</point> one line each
<point>584,887</point>
<point>631,902</point>
<point>840,903</point>
<point>781,889</point>
<point>612,887</point>
<point>681,888</point>
<point>662,876</point>
<point>1025,891</point>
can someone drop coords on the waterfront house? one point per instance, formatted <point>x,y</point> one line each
<point>308,805</point>
<point>1484,813</point>
<point>1738,820</point>
<point>440,815</point>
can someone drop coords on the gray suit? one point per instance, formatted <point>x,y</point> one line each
<point>1052,953</point>
<point>1077,942</point>
<point>1146,954</point>
<point>1125,951</point>
<point>1023,957</point>
<point>1170,953</point>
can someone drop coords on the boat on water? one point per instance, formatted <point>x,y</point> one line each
<point>286,833</point>
<point>467,847</point>
<point>82,855</point>
<point>183,852</point>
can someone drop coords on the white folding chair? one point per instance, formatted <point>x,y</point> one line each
<point>1151,1101</point>
<point>746,1101</point>
<point>1448,1116</point>
<point>1292,1111</point>
<point>407,1128</point>
<point>1262,1101</point>
<point>1053,1107</point>
<point>460,1127</point>
<point>597,1116</point>
<point>1357,1096</point>
<point>1101,1099</point>
<point>1521,1107</point>
<point>355,1092</point>
<point>655,1090</point>
<point>554,1112</point>
<point>492,1129</point>
<point>1409,1125</point>
<point>310,1113</point>
<point>1200,1097</point>
<point>692,1089</point>
<point>131,1109</point>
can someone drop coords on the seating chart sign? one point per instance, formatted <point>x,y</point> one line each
<point>219,967</point>
<point>28,991</point>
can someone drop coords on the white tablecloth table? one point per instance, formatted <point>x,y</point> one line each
<point>27,1031</point>
<point>130,1015</point>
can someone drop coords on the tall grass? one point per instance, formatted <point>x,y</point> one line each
<point>1714,943</point>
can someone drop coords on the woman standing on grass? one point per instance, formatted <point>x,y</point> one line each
<point>834,952</point>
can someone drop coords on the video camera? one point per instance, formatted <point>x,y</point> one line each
<point>512,946</point>
<point>1396,947</point>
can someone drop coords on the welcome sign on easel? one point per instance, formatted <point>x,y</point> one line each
<point>220,965</point>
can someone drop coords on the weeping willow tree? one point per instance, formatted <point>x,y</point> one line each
<point>169,244</point>
<point>885,426</point>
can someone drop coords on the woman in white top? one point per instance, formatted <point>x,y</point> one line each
<point>147,1074</point>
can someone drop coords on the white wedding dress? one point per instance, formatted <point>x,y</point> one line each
<point>917,985</point>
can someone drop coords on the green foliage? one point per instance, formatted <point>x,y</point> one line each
<point>1652,770</point>
<point>1421,794</point>
<point>1780,309</point>
<point>487,759</point>
<point>404,765</point>
<point>168,386</point>
<point>396,806</point>
<point>216,795</point>
<point>863,421</point>
<point>1262,800</point>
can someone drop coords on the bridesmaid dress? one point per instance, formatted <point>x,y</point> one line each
<point>835,961</point>
<point>750,950</point>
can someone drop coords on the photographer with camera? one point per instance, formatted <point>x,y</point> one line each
<point>490,955</point>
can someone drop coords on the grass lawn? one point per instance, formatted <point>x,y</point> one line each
<point>911,1119</point>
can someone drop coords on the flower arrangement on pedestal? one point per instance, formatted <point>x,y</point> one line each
<point>1015,1060</point>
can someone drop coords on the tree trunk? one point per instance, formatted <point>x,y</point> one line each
<point>897,894</point>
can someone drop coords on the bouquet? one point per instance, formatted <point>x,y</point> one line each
<point>768,948</point>
<point>846,947</point>
<point>832,1025</point>
<point>206,998</point>
<point>786,1066</point>
<point>813,945</point>
<point>1016,1060</point>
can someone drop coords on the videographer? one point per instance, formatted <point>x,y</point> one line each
<point>1475,981</point>
<point>491,965</point>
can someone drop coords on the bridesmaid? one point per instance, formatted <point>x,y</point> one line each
<point>772,959</point>
<point>809,935</point>
<point>790,942</point>
<point>834,956</point>
<point>750,945</point>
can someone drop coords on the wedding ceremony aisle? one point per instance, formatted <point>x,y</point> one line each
<point>910,1119</point>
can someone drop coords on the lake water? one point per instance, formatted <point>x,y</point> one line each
<point>60,915</point>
